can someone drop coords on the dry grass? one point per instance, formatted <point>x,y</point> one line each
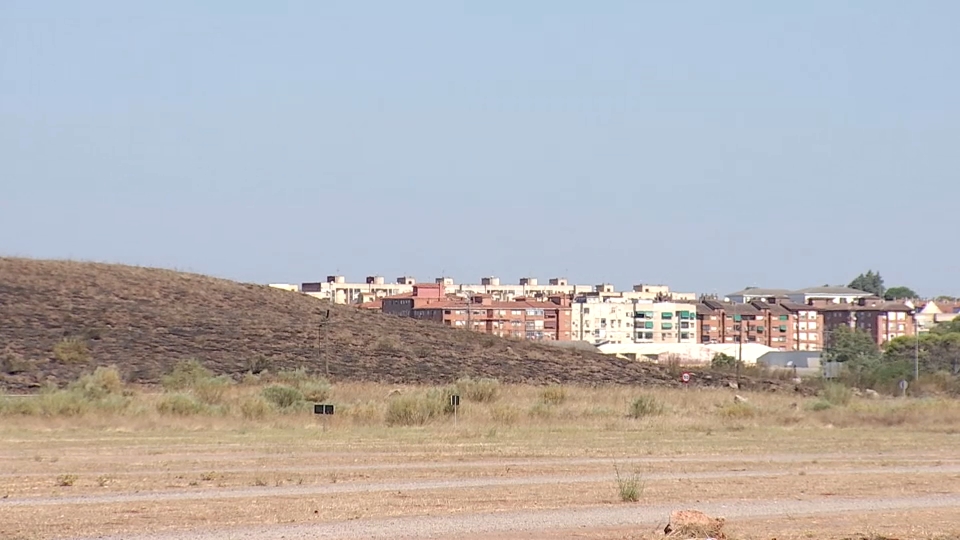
<point>61,317</point>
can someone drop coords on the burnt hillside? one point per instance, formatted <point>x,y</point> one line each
<point>144,320</point>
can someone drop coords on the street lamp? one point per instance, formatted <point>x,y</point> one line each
<point>916,350</point>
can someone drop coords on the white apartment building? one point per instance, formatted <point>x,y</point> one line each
<point>599,320</point>
<point>665,322</point>
<point>596,319</point>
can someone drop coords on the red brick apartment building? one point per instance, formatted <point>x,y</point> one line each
<point>781,325</point>
<point>883,320</point>
<point>520,318</point>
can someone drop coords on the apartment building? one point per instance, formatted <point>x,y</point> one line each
<point>597,319</point>
<point>882,320</point>
<point>337,290</point>
<point>811,295</point>
<point>782,325</point>
<point>521,318</point>
<point>665,322</point>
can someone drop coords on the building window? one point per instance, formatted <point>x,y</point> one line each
<point>666,315</point>
<point>784,317</point>
<point>783,328</point>
<point>666,326</point>
<point>684,335</point>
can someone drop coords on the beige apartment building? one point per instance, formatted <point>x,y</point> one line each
<point>596,319</point>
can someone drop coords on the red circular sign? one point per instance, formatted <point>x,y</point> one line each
<point>685,377</point>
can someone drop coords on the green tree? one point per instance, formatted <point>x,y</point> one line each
<point>870,282</point>
<point>856,350</point>
<point>894,293</point>
<point>935,351</point>
<point>951,327</point>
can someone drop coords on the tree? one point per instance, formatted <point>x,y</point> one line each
<point>894,293</point>
<point>845,344</point>
<point>938,351</point>
<point>870,282</point>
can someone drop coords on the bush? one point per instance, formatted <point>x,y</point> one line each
<point>282,396</point>
<point>71,350</point>
<point>410,410</point>
<point>258,364</point>
<point>553,395</point>
<point>314,389</point>
<point>483,390</point>
<point>212,390</point>
<point>645,406</point>
<point>820,405</point>
<point>11,362</point>
<point>836,394</point>
<point>103,382</point>
<point>723,361</point>
<point>254,408</point>
<point>180,405</point>
<point>186,374</point>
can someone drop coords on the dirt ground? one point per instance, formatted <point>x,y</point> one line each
<point>300,484</point>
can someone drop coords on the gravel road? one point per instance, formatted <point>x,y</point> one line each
<point>644,517</point>
<point>460,483</point>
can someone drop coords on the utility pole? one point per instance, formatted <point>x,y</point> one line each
<point>325,357</point>
<point>916,351</point>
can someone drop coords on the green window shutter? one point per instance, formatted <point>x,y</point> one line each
<point>648,324</point>
<point>783,328</point>
<point>737,318</point>
<point>784,317</point>
<point>666,315</point>
<point>666,326</point>
<point>648,314</point>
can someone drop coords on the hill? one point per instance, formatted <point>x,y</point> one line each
<point>61,318</point>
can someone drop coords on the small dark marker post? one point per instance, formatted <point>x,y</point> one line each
<point>323,410</point>
<point>455,402</point>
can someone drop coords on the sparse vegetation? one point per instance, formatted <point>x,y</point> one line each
<point>72,350</point>
<point>66,480</point>
<point>630,487</point>
<point>483,390</point>
<point>179,405</point>
<point>553,395</point>
<point>645,406</point>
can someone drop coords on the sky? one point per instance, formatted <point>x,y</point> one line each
<point>705,145</point>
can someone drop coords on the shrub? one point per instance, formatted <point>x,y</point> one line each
<point>645,406</point>
<point>282,396</point>
<point>553,395</point>
<point>738,410</point>
<point>409,411</point>
<point>820,405</point>
<point>179,405</point>
<point>258,364</point>
<point>71,350</point>
<point>631,487</point>
<point>61,403</point>
<point>66,480</point>
<point>314,389</point>
<point>103,382</point>
<point>836,394</point>
<point>483,390</point>
<point>212,389</point>
<point>723,361</point>
<point>12,362</point>
<point>505,414</point>
<point>186,374</point>
<point>254,408</point>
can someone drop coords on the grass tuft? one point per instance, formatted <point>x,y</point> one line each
<point>483,390</point>
<point>629,487</point>
<point>283,397</point>
<point>553,395</point>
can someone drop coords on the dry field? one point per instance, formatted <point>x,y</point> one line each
<point>524,462</point>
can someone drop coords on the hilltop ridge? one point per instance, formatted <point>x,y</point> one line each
<point>144,320</point>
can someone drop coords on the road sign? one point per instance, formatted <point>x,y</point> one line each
<point>322,408</point>
<point>685,378</point>
<point>903,384</point>
<point>454,400</point>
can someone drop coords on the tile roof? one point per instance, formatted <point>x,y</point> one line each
<point>758,291</point>
<point>833,290</point>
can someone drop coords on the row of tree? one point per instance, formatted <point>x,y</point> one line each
<point>872,282</point>
<point>937,351</point>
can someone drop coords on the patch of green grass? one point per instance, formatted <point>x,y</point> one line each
<point>484,390</point>
<point>836,394</point>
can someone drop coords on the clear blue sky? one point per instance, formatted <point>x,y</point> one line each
<point>707,145</point>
